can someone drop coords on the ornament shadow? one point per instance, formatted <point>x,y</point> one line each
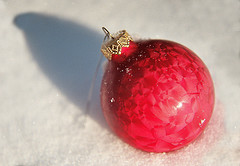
<point>68,54</point>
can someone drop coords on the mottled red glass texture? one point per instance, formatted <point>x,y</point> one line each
<point>159,97</point>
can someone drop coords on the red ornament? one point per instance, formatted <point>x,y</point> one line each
<point>156,95</point>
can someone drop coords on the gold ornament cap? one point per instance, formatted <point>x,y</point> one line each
<point>113,44</point>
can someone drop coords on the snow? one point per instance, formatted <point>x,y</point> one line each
<point>49,52</point>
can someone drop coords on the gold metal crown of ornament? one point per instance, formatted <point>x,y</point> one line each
<point>113,44</point>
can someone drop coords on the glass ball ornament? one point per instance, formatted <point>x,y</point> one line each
<point>156,95</point>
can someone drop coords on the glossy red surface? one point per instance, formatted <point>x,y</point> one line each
<point>159,97</point>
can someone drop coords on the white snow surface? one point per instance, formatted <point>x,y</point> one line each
<point>49,52</point>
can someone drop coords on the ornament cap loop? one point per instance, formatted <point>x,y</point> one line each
<point>112,44</point>
<point>105,30</point>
